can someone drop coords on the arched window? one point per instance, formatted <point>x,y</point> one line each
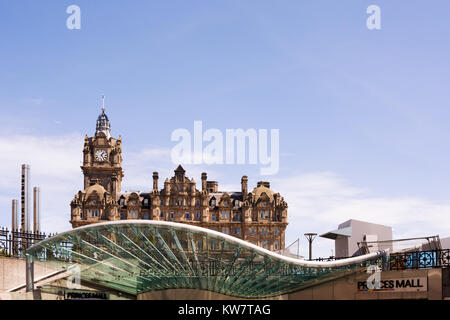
<point>212,203</point>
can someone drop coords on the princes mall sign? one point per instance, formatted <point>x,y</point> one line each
<point>414,284</point>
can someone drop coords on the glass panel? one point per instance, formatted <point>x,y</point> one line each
<point>137,257</point>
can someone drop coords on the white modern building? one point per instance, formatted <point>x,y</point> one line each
<point>352,232</point>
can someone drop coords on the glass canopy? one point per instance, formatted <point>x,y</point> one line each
<point>138,256</point>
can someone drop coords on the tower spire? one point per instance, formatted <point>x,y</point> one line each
<point>103,124</point>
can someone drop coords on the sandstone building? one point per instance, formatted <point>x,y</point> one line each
<point>258,216</point>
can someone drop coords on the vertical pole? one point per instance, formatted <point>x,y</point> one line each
<point>30,273</point>
<point>310,237</point>
<point>310,250</point>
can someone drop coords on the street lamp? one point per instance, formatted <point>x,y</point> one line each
<point>310,237</point>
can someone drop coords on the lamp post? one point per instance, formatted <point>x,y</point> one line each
<point>310,237</point>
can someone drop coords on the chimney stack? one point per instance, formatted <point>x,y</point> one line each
<point>25,199</point>
<point>155,180</point>
<point>204,178</point>
<point>36,210</point>
<point>244,187</point>
<point>15,215</point>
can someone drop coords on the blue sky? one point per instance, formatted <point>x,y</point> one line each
<point>363,115</point>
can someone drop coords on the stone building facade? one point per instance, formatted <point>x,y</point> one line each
<point>258,216</point>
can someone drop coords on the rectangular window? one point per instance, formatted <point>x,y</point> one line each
<point>171,215</point>
<point>226,230</point>
<point>197,215</point>
<point>252,230</point>
<point>187,216</point>
<point>266,214</point>
<point>161,214</point>
<point>225,214</point>
<point>213,217</point>
<point>275,231</point>
<point>162,202</point>
<point>237,230</point>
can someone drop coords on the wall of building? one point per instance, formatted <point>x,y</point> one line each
<point>346,288</point>
<point>12,272</point>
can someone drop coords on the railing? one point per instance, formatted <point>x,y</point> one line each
<point>410,260</point>
<point>419,260</point>
<point>332,258</point>
<point>14,243</point>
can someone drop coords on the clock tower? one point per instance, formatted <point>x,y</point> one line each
<point>102,158</point>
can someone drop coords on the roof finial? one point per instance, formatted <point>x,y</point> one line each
<point>103,103</point>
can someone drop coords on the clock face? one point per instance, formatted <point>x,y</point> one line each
<point>101,155</point>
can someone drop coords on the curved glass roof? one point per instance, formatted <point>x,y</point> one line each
<point>137,256</point>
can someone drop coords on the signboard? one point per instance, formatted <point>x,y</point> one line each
<point>85,295</point>
<point>414,284</point>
